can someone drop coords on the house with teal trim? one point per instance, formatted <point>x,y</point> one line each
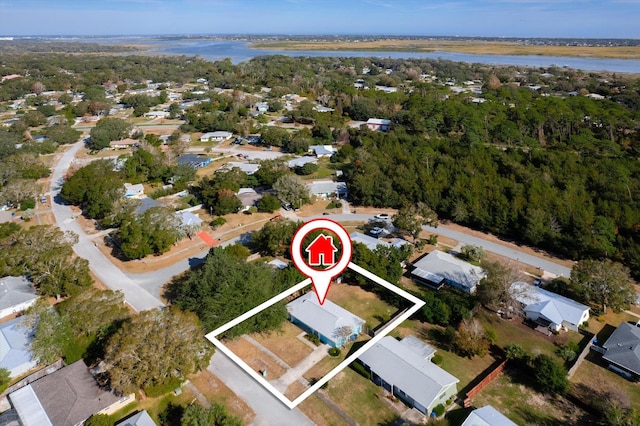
<point>333,325</point>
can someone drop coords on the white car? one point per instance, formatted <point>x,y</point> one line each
<point>382,216</point>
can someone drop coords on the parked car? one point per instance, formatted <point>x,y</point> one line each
<point>43,199</point>
<point>376,232</point>
<point>382,216</point>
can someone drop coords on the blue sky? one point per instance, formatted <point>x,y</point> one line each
<point>519,18</point>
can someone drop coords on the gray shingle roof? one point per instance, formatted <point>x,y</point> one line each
<point>321,187</point>
<point>69,396</point>
<point>400,364</point>
<point>623,347</point>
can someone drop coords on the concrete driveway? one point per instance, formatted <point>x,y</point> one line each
<point>269,410</point>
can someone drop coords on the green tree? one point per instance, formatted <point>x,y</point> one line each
<point>63,134</point>
<point>268,203</point>
<point>5,379</point>
<point>471,340</point>
<point>550,375</point>
<point>292,190</point>
<point>227,286</point>
<point>274,238</point>
<point>155,347</point>
<point>52,334</point>
<point>270,171</point>
<point>473,253</point>
<point>95,187</point>
<point>216,415</point>
<point>152,232</point>
<point>93,311</point>
<point>604,283</point>
<point>106,130</point>
<point>411,218</point>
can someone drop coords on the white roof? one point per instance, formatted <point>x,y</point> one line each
<point>370,242</point>
<point>380,121</point>
<point>279,264</point>
<point>133,189</point>
<point>188,219</point>
<point>552,306</point>
<point>326,319</point>
<point>301,161</point>
<point>15,352</point>
<point>400,364</point>
<point>320,187</point>
<point>248,168</point>
<point>15,291</point>
<point>323,149</point>
<point>29,408</point>
<point>216,134</point>
<point>487,416</point>
<point>438,265</point>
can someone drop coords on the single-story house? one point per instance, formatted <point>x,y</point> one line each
<point>16,295</point>
<point>194,160</point>
<point>378,124</point>
<point>487,416</point>
<point>301,161</point>
<point>332,324</point>
<point>278,264</point>
<point>248,168</point>
<point>188,219</point>
<point>146,203</point>
<point>141,418</point>
<point>404,368</point>
<point>262,106</point>
<point>549,309</point>
<point>15,353</point>
<point>68,396</point>
<point>248,197</point>
<point>133,191</point>
<point>321,108</point>
<point>439,268</point>
<point>322,150</point>
<point>218,136</point>
<point>157,114</point>
<point>327,188</point>
<point>124,143</point>
<point>622,350</point>
<point>373,243</point>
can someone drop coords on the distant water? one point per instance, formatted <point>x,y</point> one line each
<point>239,51</point>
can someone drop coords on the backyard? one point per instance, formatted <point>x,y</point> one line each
<point>285,343</point>
<point>362,303</point>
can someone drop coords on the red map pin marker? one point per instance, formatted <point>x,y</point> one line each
<point>321,252</point>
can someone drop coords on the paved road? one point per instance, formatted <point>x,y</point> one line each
<point>269,410</point>
<point>107,272</point>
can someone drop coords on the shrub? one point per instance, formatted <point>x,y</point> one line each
<point>218,221</point>
<point>334,205</point>
<point>439,410</point>
<point>359,368</point>
<point>550,375</point>
<point>313,339</point>
<point>437,359</point>
<point>28,204</point>
<point>334,352</point>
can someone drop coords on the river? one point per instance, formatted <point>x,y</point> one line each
<point>240,51</point>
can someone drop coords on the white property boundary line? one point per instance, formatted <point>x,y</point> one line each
<point>257,377</point>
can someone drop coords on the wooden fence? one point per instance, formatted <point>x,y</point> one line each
<point>484,382</point>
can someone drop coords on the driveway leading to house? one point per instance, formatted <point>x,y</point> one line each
<point>100,265</point>
<point>269,410</point>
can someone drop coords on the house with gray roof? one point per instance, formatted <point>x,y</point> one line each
<point>623,350</point>
<point>439,268</point>
<point>322,150</point>
<point>404,369</point>
<point>145,204</point>
<point>141,418</point>
<point>16,295</point>
<point>327,321</point>
<point>248,168</point>
<point>15,353</point>
<point>487,416</point>
<point>549,309</point>
<point>328,188</point>
<point>301,161</point>
<point>194,160</point>
<point>217,136</point>
<point>66,397</point>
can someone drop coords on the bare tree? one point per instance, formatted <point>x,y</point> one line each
<point>495,290</point>
<point>342,333</point>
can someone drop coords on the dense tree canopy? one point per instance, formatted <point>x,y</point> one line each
<point>603,283</point>
<point>106,130</point>
<point>155,347</point>
<point>225,287</point>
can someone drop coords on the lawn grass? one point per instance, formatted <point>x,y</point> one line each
<point>359,398</point>
<point>217,392</point>
<point>285,344</point>
<point>314,408</point>
<point>362,303</point>
<point>155,406</point>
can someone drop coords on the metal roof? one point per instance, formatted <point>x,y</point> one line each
<point>15,291</point>
<point>15,354</point>
<point>552,306</point>
<point>29,408</point>
<point>487,416</point>
<point>400,364</point>
<point>326,319</point>
<point>438,266</point>
<point>370,242</point>
<point>141,418</point>
<point>320,187</point>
